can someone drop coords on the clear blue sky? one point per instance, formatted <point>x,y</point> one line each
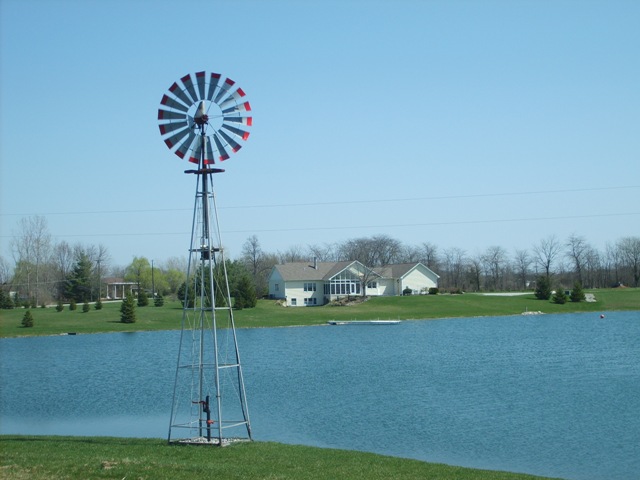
<point>462,123</point>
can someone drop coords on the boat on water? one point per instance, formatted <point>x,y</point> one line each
<point>363,322</point>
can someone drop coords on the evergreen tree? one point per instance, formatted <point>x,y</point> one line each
<point>159,300</point>
<point>190,296</point>
<point>128,309</point>
<point>577,294</point>
<point>5,300</point>
<point>543,288</point>
<point>85,307</point>
<point>59,306</point>
<point>245,293</point>
<point>27,320</point>
<point>143,300</point>
<point>98,304</point>
<point>72,305</point>
<point>560,297</point>
<point>79,280</point>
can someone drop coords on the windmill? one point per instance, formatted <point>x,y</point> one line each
<point>202,118</point>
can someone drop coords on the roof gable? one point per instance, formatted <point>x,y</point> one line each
<point>400,270</point>
<point>301,271</point>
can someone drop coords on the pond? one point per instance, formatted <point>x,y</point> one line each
<point>553,395</point>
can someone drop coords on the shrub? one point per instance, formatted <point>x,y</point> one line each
<point>143,300</point>
<point>577,294</point>
<point>98,304</point>
<point>158,301</point>
<point>72,305</point>
<point>407,291</point>
<point>59,306</point>
<point>27,320</point>
<point>433,291</point>
<point>85,307</point>
<point>560,297</point>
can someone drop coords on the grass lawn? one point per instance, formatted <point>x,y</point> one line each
<point>268,313</point>
<point>60,458</point>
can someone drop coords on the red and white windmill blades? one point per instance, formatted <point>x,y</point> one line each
<point>204,111</point>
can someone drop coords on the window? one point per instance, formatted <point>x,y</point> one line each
<point>309,287</point>
<point>372,285</point>
<point>310,301</point>
<point>294,302</point>
<point>277,287</point>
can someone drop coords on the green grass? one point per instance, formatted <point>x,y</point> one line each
<point>69,458</point>
<point>47,321</point>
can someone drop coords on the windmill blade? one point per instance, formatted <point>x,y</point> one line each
<point>241,133</point>
<point>178,92</point>
<point>243,120</point>
<point>233,98</point>
<point>213,83</point>
<point>243,107</point>
<point>176,138</point>
<point>226,86</point>
<point>208,155</point>
<point>186,145</point>
<point>235,146</point>
<point>201,80</point>
<point>169,115</point>
<point>196,150</point>
<point>171,103</point>
<point>171,127</point>
<point>223,153</point>
<point>188,83</point>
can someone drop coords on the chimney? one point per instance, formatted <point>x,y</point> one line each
<point>315,263</point>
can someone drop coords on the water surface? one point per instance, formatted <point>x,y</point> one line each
<point>554,395</point>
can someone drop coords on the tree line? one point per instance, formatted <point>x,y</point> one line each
<point>562,262</point>
<point>47,272</point>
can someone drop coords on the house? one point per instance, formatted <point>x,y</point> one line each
<point>417,277</point>
<point>308,284</point>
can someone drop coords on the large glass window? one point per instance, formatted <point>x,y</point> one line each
<point>309,287</point>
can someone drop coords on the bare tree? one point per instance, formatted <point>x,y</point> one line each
<point>474,270</point>
<point>5,271</point>
<point>454,261</point>
<point>429,255</point>
<point>577,248</point>
<point>323,253</point>
<point>31,248</point>
<point>258,263</point>
<point>375,251</point>
<point>294,253</point>
<point>630,254</point>
<point>495,259</point>
<point>546,252</point>
<point>522,262</point>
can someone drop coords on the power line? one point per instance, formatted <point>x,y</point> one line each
<point>345,202</point>
<point>352,227</point>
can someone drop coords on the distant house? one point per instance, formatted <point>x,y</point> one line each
<point>308,284</point>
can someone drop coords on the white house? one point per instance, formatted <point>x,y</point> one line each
<point>317,283</point>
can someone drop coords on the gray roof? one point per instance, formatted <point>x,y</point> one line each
<point>302,271</point>
<point>306,271</point>
<point>399,270</point>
